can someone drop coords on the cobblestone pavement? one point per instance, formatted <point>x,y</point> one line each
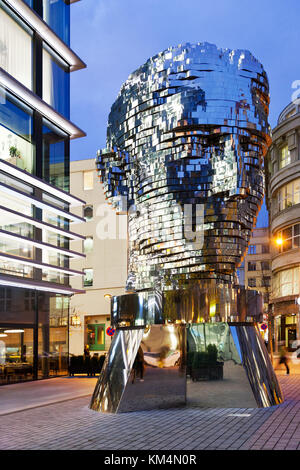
<point>72,425</point>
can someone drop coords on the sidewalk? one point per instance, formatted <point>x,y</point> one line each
<point>71,425</point>
<point>27,395</point>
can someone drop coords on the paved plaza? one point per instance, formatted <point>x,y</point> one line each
<point>70,424</point>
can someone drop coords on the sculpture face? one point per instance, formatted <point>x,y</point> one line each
<point>188,131</point>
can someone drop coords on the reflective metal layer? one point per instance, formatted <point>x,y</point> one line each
<point>201,302</point>
<point>116,370</point>
<point>158,378</point>
<point>205,365</point>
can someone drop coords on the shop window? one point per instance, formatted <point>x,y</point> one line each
<point>96,336</point>
<point>88,278</point>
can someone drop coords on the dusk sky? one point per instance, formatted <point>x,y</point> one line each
<point>115,37</point>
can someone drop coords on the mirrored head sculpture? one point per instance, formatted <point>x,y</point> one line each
<point>186,141</point>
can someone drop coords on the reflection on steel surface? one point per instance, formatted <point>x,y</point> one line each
<point>206,365</point>
<point>186,139</point>
<point>219,373</point>
<point>206,303</point>
<point>160,380</point>
<point>116,370</point>
<point>258,366</point>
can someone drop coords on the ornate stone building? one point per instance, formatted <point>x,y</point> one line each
<point>283,200</point>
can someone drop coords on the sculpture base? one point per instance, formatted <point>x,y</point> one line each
<point>198,364</point>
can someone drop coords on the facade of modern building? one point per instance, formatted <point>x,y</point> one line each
<point>35,202</point>
<point>283,185</point>
<point>104,265</point>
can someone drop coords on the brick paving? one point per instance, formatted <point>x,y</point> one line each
<point>72,425</point>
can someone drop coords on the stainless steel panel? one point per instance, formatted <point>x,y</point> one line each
<point>257,364</point>
<point>116,370</point>
<point>216,377</point>
<point>163,380</point>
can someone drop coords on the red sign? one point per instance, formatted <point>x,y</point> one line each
<point>264,326</point>
<point>110,331</point>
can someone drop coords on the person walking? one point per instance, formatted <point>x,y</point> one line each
<point>283,359</point>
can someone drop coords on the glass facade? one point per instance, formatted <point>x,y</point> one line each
<point>34,216</point>
<point>33,335</point>
<point>56,13</point>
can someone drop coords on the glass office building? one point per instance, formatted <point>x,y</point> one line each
<point>35,204</point>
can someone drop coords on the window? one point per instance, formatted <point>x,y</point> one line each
<point>56,82</point>
<point>286,283</point>
<point>252,282</point>
<point>265,266</point>
<point>266,281</point>
<point>56,13</point>
<point>290,238</point>
<point>88,180</point>
<point>289,195</point>
<point>265,249</point>
<point>285,157</point>
<point>96,337</point>
<point>88,245</point>
<point>15,47</point>
<point>252,250</point>
<point>251,266</point>
<point>16,132</point>
<point>88,212</point>
<point>88,277</point>
<point>56,156</point>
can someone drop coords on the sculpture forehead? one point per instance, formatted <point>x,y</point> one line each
<point>214,84</point>
<point>178,63</point>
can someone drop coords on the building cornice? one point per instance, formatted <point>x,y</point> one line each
<point>32,100</point>
<point>38,25</point>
